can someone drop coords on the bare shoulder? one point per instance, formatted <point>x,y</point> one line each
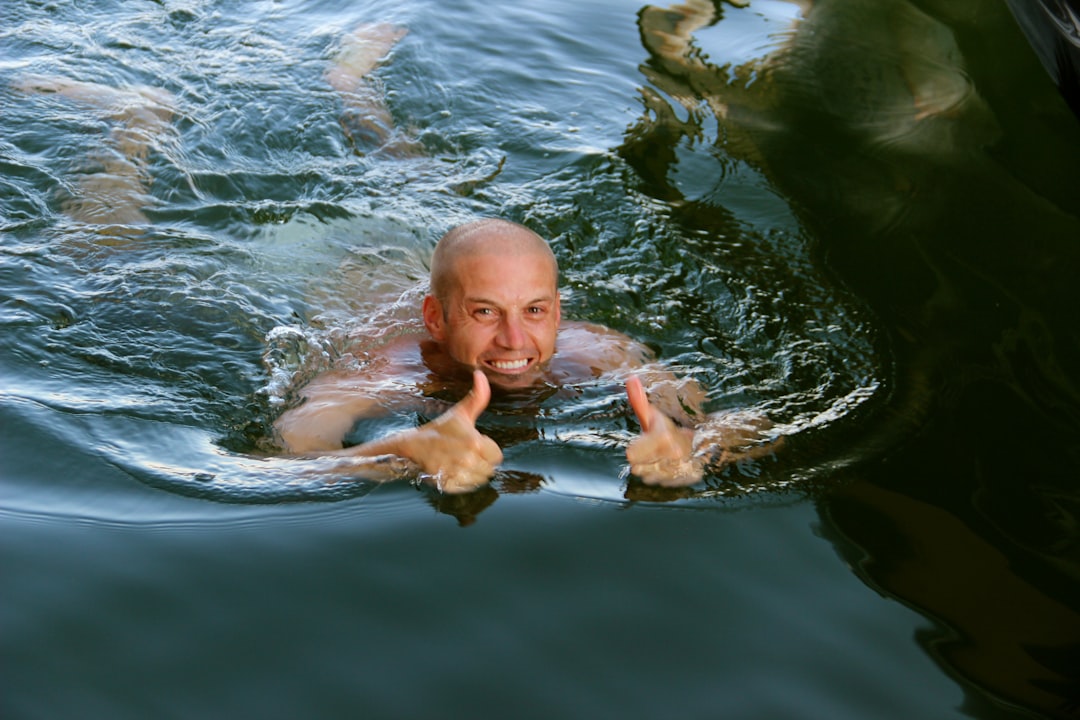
<point>393,363</point>
<point>382,379</point>
<point>588,350</point>
<point>599,350</point>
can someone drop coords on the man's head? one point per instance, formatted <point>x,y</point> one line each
<point>494,301</point>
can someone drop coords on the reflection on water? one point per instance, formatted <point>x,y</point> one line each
<point>859,218</point>
<point>868,117</point>
<point>1000,630</point>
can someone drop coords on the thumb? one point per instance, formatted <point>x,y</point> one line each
<point>639,402</point>
<point>478,398</point>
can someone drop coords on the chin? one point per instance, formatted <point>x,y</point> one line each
<point>512,382</point>
<point>517,393</point>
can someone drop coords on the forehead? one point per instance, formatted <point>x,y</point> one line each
<point>505,277</point>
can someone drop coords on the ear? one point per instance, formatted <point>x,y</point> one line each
<point>558,308</point>
<point>433,318</point>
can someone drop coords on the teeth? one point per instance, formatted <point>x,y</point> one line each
<point>509,364</point>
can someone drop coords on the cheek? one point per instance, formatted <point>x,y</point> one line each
<point>470,339</point>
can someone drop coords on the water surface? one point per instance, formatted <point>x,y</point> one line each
<point>863,223</point>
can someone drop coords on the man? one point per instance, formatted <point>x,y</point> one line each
<point>494,312</point>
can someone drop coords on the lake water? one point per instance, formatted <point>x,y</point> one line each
<point>861,219</point>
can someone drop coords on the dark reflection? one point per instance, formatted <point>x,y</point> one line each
<point>466,507</point>
<point>637,491</point>
<point>1053,28</point>
<point>906,145</point>
<point>1005,615</point>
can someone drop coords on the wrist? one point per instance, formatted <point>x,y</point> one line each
<point>729,437</point>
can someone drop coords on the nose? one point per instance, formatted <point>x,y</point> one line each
<point>511,333</point>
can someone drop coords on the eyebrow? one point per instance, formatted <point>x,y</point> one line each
<point>484,301</point>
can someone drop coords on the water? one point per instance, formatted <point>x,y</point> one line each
<point>895,293</point>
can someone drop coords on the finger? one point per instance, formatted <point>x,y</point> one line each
<point>639,402</point>
<point>478,398</point>
<point>490,451</point>
<point>456,482</point>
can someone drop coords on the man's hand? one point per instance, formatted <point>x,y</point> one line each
<point>663,453</point>
<point>450,449</point>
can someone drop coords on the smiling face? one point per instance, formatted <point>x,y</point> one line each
<point>498,305</point>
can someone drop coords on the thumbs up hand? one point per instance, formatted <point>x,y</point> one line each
<point>449,449</point>
<point>663,453</point>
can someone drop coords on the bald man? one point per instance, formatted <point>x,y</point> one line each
<point>494,313</point>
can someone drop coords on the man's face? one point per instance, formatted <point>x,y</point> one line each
<point>501,315</point>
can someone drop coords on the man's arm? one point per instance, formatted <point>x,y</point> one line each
<point>664,452</point>
<point>332,404</point>
<point>678,440</point>
<point>670,455</point>
<point>449,450</point>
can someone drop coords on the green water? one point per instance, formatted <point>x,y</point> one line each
<point>895,290</point>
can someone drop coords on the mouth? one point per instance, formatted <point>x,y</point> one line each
<point>509,367</point>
